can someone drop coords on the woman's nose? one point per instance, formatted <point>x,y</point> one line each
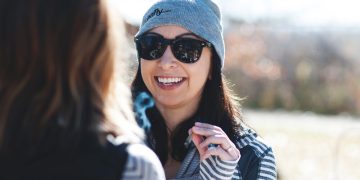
<point>168,60</point>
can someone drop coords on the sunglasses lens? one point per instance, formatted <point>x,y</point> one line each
<point>187,50</point>
<point>150,47</point>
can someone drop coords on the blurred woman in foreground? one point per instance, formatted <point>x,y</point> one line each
<point>64,114</point>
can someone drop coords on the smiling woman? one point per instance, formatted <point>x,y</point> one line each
<point>196,126</point>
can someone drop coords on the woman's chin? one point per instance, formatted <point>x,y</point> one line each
<point>168,103</point>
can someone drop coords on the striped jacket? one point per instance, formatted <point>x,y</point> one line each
<point>257,162</point>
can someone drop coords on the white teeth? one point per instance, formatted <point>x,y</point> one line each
<point>169,80</point>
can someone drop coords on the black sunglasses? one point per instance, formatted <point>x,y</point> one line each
<point>151,46</point>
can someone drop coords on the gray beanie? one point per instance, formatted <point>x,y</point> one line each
<point>201,17</point>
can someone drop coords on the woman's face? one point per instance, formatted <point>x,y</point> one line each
<point>172,83</point>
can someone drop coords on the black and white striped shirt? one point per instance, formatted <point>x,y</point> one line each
<point>257,162</point>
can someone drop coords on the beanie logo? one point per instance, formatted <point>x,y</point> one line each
<point>156,12</point>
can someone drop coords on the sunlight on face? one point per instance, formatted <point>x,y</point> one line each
<point>172,83</point>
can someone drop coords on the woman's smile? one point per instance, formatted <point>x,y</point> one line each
<point>169,82</point>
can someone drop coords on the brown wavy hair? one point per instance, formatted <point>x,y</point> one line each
<point>58,81</point>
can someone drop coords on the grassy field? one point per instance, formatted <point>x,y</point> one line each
<point>309,146</point>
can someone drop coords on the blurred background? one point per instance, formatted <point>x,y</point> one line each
<point>296,64</point>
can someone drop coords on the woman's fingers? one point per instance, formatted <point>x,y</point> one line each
<point>205,131</point>
<point>221,140</point>
<point>213,136</point>
<point>197,139</point>
<point>205,134</point>
<point>218,151</point>
<point>209,126</point>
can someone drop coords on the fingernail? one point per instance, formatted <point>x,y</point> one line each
<point>189,131</point>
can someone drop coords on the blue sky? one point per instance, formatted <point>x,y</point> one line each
<point>333,13</point>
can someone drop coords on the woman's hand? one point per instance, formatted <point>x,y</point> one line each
<point>226,149</point>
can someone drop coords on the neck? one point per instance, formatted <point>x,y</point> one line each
<point>173,116</point>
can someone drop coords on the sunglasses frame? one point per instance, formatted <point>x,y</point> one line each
<point>166,42</point>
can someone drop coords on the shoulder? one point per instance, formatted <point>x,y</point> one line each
<point>255,152</point>
<point>142,163</point>
<point>249,139</point>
